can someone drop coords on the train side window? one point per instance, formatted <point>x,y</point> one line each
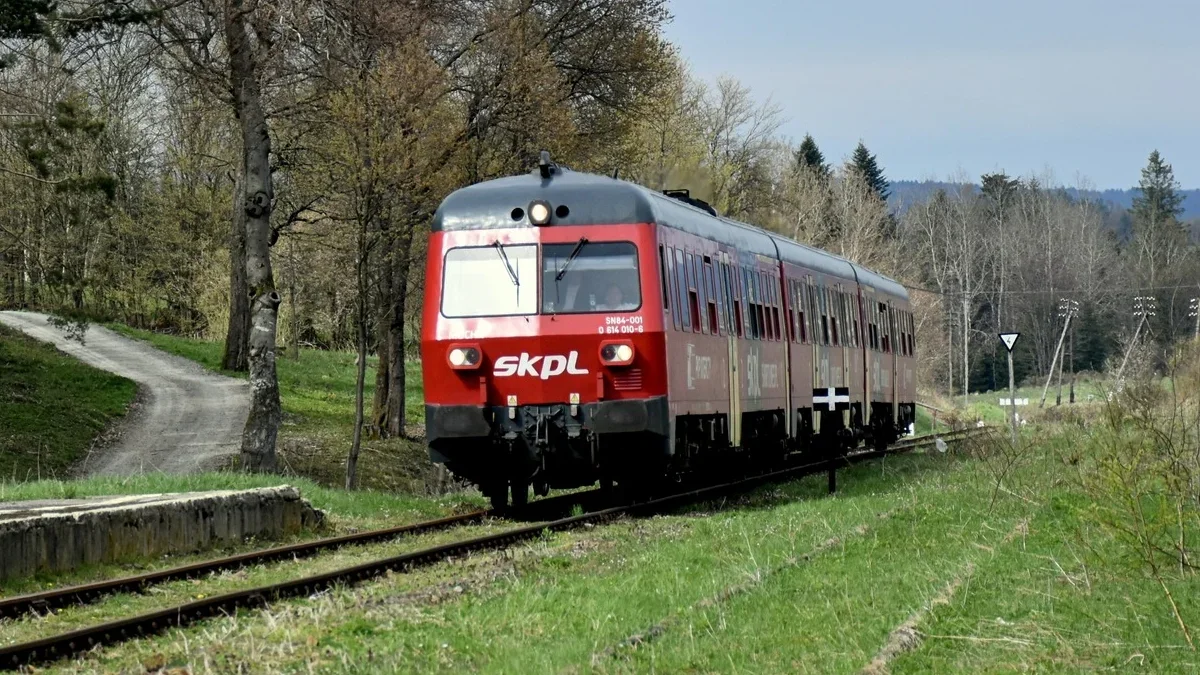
<point>791,310</point>
<point>738,303</point>
<point>883,329</point>
<point>768,328</point>
<point>823,306</point>
<point>755,305</point>
<point>727,295</point>
<point>751,321</point>
<point>801,305</point>
<point>693,301</point>
<point>912,335</point>
<point>833,319</point>
<point>701,295</point>
<point>768,305</point>
<point>775,307</point>
<point>713,301</point>
<point>854,317</point>
<point>672,286</point>
<point>847,319</point>
<point>663,275</point>
<point>760,330</point>
<point>760,288</point>
<point>908,333</point>
<point>681,282</point>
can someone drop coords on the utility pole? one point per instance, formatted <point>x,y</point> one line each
<point>1072,400</point>
<point>1194,310</point>
<point>1065,309</point>
<point>1143,307</point>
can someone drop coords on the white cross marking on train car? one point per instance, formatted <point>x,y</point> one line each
<point>831,398</point>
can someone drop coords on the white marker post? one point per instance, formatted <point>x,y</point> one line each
<point>1010,339</point>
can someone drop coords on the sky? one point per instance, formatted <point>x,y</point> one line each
<point>942,89</point>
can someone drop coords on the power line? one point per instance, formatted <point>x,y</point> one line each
<point>1084,291</point>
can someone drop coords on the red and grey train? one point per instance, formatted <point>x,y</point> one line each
<point>580,328</point>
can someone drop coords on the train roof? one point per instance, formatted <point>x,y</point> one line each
<point>600,200</point>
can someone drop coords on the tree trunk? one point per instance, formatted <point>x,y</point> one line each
<point>397,384</point>
<point>383,332</point>
<point>359,385</point>
<point>360,319</point>
<point>237,335</point>
<point>294,334</point>
<point>262,424</point>
<point>966,347</point>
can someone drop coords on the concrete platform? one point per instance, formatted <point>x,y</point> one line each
<point>61,535</point>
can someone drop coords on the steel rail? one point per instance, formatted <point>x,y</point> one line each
<point>45,601</point>
<point>78,641</point>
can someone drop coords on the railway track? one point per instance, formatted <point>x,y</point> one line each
<point>81,640</point>
<point>44,601</point>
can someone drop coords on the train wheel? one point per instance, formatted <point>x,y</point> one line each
<point>520,494</point>
<point>497,493</point>
<point>606,486</point>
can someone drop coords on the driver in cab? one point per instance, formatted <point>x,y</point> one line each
<point>614,300</point>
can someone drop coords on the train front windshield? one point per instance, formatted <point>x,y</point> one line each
<point>590,277</point>
<point>497,280</point>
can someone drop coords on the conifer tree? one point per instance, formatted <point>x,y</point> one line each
<point>1159,201</point>
<point>866,164</point>
<point>809,155</point>
<point>1158,236</point>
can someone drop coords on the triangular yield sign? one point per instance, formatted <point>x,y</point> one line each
<point>1009,339</point>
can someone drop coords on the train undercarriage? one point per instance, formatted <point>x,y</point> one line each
<point>626,445</point>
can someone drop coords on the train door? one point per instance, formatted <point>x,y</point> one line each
<point>787,310</point>
<point>846,333</point>
<point>892,343</point>
<point>736,311</point>
<point>819,334</point>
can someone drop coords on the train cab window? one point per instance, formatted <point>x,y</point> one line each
<point>586,277</point>
<point>673,287</point>
<point>498,280</point>
<point>681,306</point>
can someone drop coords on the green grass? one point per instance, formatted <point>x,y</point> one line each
<point>52,407</point>
<point>750,585</point>
<point>317,396</point>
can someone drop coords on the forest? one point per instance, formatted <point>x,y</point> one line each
<point>263,172</point>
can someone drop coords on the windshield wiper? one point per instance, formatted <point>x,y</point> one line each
<point>574,252</point>
<point>512,275</point>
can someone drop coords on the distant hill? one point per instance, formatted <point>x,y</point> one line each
<point>908,192</point>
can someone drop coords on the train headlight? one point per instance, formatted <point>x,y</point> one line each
<point>616,353</point>
<point>539,212</point>
<point>464,357</point>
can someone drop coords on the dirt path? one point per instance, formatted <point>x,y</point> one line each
<point>187,419</point>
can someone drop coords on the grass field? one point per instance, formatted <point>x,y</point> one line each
<point>40,384</point>
<point>989,575</point>
<point>317,394</point>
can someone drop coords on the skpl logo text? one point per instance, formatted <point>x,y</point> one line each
<point>544,367</point>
